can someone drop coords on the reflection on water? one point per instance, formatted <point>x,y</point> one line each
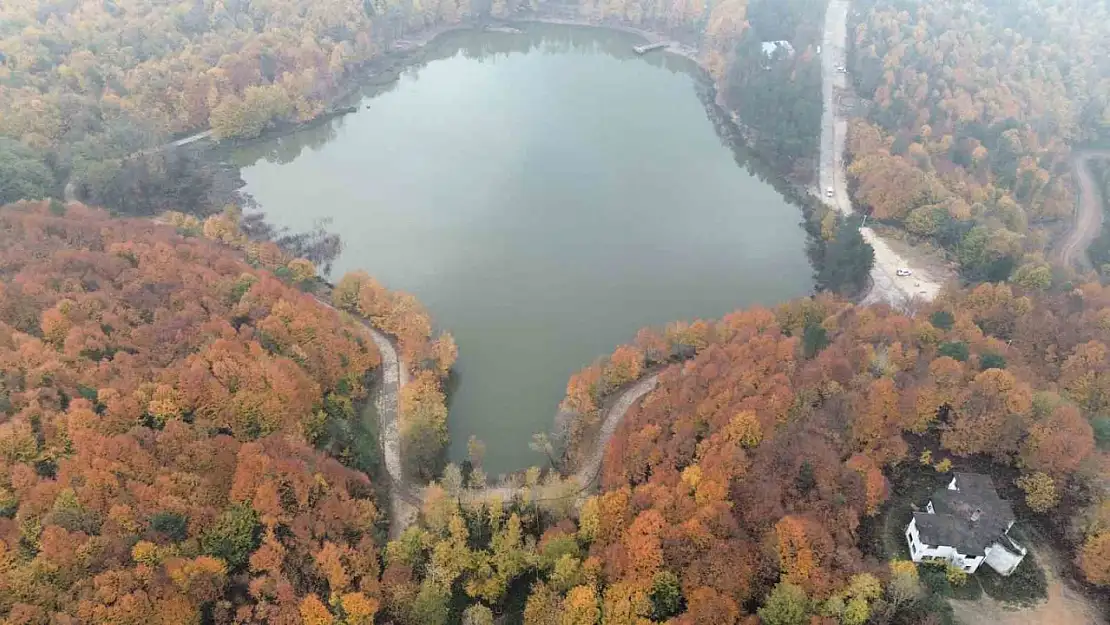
<point>545,195</point>
<point>481,47</point>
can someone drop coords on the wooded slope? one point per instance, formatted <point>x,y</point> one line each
<point>974,107</point>
<point>163,407</point>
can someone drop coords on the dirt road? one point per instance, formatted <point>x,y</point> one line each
<point>405,496</point>
<point>1088,214</point>
<point>887,285</point>
<point>1065,605</point>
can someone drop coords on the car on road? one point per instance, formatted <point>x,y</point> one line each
<point>842,69</point>
<point>829,192</point>
<point>904,272</point>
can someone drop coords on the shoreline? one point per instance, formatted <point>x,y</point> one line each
<point>405,54</point>
<point>387,69</point>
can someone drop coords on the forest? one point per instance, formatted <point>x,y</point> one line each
<point>179,439</point>
<point>747,476</point>
<point>184,425</point>
<point>89,88</point>
<point>974,108</point>
<point>182,440</point>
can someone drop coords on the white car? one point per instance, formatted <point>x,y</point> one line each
<point>829,192</point>
<point>904,272</point>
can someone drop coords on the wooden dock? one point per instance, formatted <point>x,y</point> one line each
<point>648,47</point>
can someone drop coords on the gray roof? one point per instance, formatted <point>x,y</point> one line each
<point>956,523</point>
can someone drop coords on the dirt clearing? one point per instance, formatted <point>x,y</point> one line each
<point>1066,605</point>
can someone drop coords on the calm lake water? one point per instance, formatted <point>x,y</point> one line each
<point>545,195</point>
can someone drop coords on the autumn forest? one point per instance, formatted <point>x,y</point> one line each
<point>199,424</point>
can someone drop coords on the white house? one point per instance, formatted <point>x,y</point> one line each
<point>770,48</point>
<point>966,524</point>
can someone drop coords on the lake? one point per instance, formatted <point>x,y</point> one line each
<point>545,195</point>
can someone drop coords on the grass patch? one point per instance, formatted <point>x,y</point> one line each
<point>935,578</point>
<point>911,485</point>
<point>1026,586</point>
<point>970,591</point>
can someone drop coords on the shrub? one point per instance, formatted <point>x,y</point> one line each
<point>236,534</point>
<point>171,524</point>
<point>991,361</point>
<point>935,579</point>
<point>666,596</point>
<point>1101,427</point>
<point>814,339</point>
<point>942,319</point>
<point>955,575</point>
<point>956,350</point>
<point>1040,491</point>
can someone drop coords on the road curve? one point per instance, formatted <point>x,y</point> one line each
<point>1088,214</point>
<point>591,468</point>
<point>405,497</point>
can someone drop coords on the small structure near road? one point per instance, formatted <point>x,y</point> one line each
<point>648,47</point>
<point>771,47</point>
<point>776,50</point>
<point>965,525</point>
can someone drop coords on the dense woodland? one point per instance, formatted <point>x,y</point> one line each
<point>182,434</point>
<point>181,442</point>
<point>754,463</point>
<point>88,88</point>
<point>973,109</point>
<point>178,433</point>
<point>738,490</point>
<point>778,95</point>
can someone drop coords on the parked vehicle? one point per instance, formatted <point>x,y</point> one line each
<point>829,192</point>
<point>904,272</point>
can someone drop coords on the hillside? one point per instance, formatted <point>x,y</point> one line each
<point>973,111</point>
<point>178,433</point>
<point>755,479</point>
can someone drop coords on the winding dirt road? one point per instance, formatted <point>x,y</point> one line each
<point>405,496</point>
<point>404,499</point>
<point>1088,215</point>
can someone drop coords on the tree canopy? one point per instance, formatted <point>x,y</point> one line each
<point>973,110</point>
<point>171,430</point>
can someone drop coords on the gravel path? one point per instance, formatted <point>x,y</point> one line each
<point>1088,216</point>
<point>592,466</point>
<point>887,285</point>
<point>405,497</point>
<point>402,504</point>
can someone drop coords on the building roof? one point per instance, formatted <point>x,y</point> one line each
<point>969,517</point>
<point>770,47</point>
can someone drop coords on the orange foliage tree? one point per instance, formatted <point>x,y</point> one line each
<point>163,411</point>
